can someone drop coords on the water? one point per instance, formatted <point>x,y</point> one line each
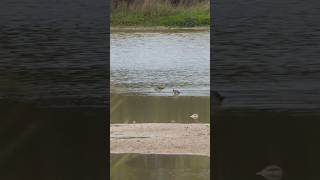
<point>246,141</point>
<point>62,142</point>
<point>159,167</point>
<point>142,61</point>
<point>265,63</point>
<point>155,109</point>
<point>266,54</point>
<point>53,88</point>
<point>53,52</point>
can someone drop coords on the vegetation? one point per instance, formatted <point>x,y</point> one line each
<point>171,13</point>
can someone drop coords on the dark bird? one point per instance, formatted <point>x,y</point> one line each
<point>159,88</point>
<point>176,92</point>
<point>217,97</point>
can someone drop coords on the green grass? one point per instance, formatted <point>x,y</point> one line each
<point>162,16</point>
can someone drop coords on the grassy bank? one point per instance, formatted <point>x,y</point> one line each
<point>161,13</point>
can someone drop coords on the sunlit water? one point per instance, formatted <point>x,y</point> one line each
<point>140,62</point>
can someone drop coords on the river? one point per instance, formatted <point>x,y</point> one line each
<point>141,62</point>
<point>53,89</point>
<point>266,63</point>
<point>266,54</point>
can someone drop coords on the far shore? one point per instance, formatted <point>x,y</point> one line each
<point>160,138</point>
<point>158,29</point>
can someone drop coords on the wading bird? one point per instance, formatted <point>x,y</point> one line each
<point>217,98</point>
<point>176,92</point>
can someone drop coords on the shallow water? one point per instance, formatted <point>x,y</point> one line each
<point>266,63</point>
<point>60,141</point>
<point>142,61</point>
<point>53,54</point>
<point>246,141</point>
<point>159,167</point>
<point>159,109</point>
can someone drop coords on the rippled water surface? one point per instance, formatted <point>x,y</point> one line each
<point>141,62</point>
<point>145,68</point>
<point>266,54</point>
<point>266,63</point>
<point>53,52</point>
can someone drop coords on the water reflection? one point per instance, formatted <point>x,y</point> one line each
<point>249,140</point>
<point>159,167</point>
<point>164,109</point>
<point>60,141</point>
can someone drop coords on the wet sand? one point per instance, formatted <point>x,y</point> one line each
<point>160,138</point>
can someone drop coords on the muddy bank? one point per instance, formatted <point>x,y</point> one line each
<point>160,138</point>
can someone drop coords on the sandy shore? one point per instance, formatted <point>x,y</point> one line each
<point>160,138</point>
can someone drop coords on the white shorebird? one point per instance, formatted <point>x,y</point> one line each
<point>176,92</point>
<point>194,116</point>
<point>272,172</point>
